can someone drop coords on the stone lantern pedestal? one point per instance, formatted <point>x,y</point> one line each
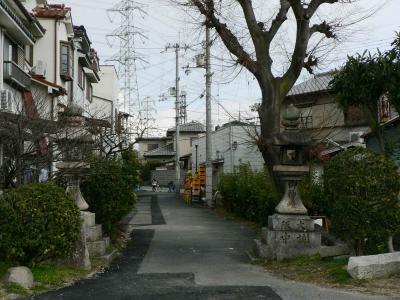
<point>290,232</point>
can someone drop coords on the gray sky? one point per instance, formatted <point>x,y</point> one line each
<point>234,91</point>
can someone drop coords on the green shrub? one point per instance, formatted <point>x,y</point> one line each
<point>37,222</point>
<point>248,194</point>
<point>108,190</point>
<point>362,187</point>
<point>313,196</point>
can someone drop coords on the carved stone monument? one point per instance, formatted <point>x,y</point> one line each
<point>74,143</point>
<point>290,231</point>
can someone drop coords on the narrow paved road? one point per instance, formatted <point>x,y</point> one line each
<point>180,252</point>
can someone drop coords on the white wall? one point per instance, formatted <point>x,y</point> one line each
<point>105,94</point>
<point>222,139</point>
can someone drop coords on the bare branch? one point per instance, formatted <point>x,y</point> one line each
<point>315,4</point>
<point>228,38</point>
<point>280,18</point>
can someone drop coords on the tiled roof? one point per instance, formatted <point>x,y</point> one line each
<point>58,11</point>
<point>167,150</point>
<point>189,127</point>
<point>318,83</point>
<point>154,138</point>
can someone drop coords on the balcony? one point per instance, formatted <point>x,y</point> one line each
<point>16,77</point>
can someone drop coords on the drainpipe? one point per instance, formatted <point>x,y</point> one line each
<point>53,168</point>
<point>55,51</point>
<point>1,57</point>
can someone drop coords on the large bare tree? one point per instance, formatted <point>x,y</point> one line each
<point>256,53</point>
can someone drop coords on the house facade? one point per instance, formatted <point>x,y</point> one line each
<point>147,144</point>
<point>232,144</point>
<point>163,148</point>
<point>46,65</point>
<point>321,114</point>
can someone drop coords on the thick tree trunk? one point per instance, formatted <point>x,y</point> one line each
<point>269,114</point>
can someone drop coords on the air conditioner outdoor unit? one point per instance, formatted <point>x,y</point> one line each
<point>40,68</point>
<point>356,137</point>
<point>5,100</point>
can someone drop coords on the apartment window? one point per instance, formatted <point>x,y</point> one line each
<point>65,61</point>
<point>10,50</point>
<point>81,78</point>
<point>89,92</point>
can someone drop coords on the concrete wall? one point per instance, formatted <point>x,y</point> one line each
<point>105,95</point>
<point>185,146</point>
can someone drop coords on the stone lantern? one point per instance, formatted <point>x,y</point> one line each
<point>290,231</point>
<point>75,143</point>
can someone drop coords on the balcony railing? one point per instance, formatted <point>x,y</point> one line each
<point>16,77</point>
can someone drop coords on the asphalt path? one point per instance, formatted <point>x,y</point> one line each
<point>187,252</point>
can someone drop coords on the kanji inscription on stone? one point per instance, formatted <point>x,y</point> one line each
<point>285,225</point>
<point>303,238</point>
<point>285,237</point>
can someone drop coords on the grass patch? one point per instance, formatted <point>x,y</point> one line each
<point>56,275</point>
<point>312,269</point>
<point>13,288</point>
<point>331,273</point>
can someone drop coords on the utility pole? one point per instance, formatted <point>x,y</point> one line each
<point>177,48</point>
<point>209,169</point>
<point>177,121</point>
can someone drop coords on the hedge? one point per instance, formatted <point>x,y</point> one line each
<point>248,194</point>
<point>37,222</point>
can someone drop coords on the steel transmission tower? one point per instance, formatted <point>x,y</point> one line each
<point>127,57</point>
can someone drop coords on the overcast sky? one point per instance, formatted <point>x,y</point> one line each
<point>233,91</point>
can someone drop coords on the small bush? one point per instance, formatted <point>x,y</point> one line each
<point>37,222</point>
<point>362,187</point>
<point>108,190</point>
<point>313,196</point>
<point>248,194</point>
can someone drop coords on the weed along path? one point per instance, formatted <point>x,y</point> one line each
<point>181,252</point>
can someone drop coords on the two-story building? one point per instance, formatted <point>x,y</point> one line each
<point>164,148</point>
<point>46,64</point>
<point>232,144</point>
<point>19,31</point>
